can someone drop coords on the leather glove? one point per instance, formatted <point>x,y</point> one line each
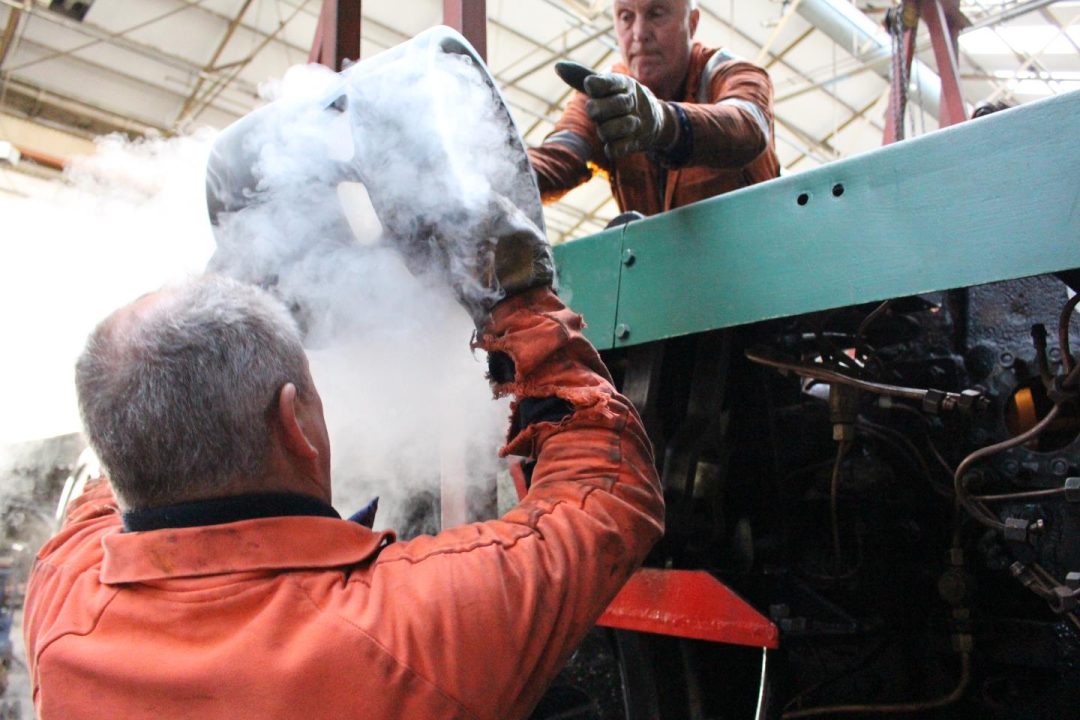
<point>628,116</point>
<point>499,256</point>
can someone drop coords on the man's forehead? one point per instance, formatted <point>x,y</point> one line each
<point>640,5</point>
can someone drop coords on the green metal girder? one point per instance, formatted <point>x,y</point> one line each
<point>987,200</point>
<point>589,271</point>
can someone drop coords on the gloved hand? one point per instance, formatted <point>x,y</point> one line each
<point>500,255</point>
<point>628,116</point>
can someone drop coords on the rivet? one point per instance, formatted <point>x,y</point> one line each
<point>628,257</point>
<point>622,331</point>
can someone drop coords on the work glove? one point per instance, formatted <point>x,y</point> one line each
<point>514,256</point>
<point>628,116</point>
<point>486,256</point>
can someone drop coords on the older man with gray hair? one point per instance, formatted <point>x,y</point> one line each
<point>218,582</point>
<point>673,123</point>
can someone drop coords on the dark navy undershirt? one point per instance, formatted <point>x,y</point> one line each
<point>226,510</point>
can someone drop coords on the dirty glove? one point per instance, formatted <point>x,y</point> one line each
<point>500,254</point>
<point>628,116</point>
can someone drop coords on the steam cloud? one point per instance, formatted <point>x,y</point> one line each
<point>129,219</point>
<point>421,136</point>
<point>358,198</point>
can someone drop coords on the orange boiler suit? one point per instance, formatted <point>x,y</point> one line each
<point>318,617</point>
<point>728,109</point>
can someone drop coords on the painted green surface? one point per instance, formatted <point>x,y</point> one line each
<point>589,282</point>
<point>987,200</point>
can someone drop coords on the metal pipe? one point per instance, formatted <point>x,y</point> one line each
<point>54,162</point>
<point>852,30</point>
<point>1006,15</point>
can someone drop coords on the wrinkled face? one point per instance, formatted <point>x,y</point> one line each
<point>655,38</point>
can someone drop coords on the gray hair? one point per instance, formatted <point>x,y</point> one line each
<point>177,403</point>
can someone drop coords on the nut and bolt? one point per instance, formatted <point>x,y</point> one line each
<point>1007,359</point>
<point>622,331</point>
<point>1059,466</point>
<point>628,257</point>
<point>1011,467</point>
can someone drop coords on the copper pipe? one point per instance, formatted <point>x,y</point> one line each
<point>896,708</point>
<point>42,158</point>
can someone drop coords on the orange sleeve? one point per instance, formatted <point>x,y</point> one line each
<point>561,162</point>
<point>515,596</point>
<point>736,126</point>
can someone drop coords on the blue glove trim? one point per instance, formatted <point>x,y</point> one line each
<point>679,155</point>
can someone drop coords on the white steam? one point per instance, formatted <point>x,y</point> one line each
<point>359,199</point>
<point>420,133</point>
<point>132,218</point>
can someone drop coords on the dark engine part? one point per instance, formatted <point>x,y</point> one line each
<point>811,463</point>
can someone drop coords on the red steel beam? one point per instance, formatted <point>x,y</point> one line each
<point>943,21</point>
<point>337,36</point>
<point>468,17</point>
<point>689,604</point>
<point>943,36</point>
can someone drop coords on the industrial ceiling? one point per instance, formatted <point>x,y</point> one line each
<point>74,69</point>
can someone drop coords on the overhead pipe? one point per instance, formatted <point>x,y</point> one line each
<point>1006,15</point>
<point>851,29</point>
<point>44,159</point>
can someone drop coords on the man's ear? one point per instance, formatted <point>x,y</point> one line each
<point>296,440</point>
<point>695,15</point>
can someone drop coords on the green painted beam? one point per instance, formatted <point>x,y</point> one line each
<point>992,199</point>
<point>589,271</point>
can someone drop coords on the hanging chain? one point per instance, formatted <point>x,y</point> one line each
<point>899,68</point>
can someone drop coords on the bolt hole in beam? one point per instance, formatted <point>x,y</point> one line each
<point>838,189</point>
<point>803,198</point>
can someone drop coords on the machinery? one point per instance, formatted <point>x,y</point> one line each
<point>862,385</point>
<point>33,475</point>
<point>863,396</point>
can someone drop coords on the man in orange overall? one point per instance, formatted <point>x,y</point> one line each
<point>675,122</point>
<point>210,578</point>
